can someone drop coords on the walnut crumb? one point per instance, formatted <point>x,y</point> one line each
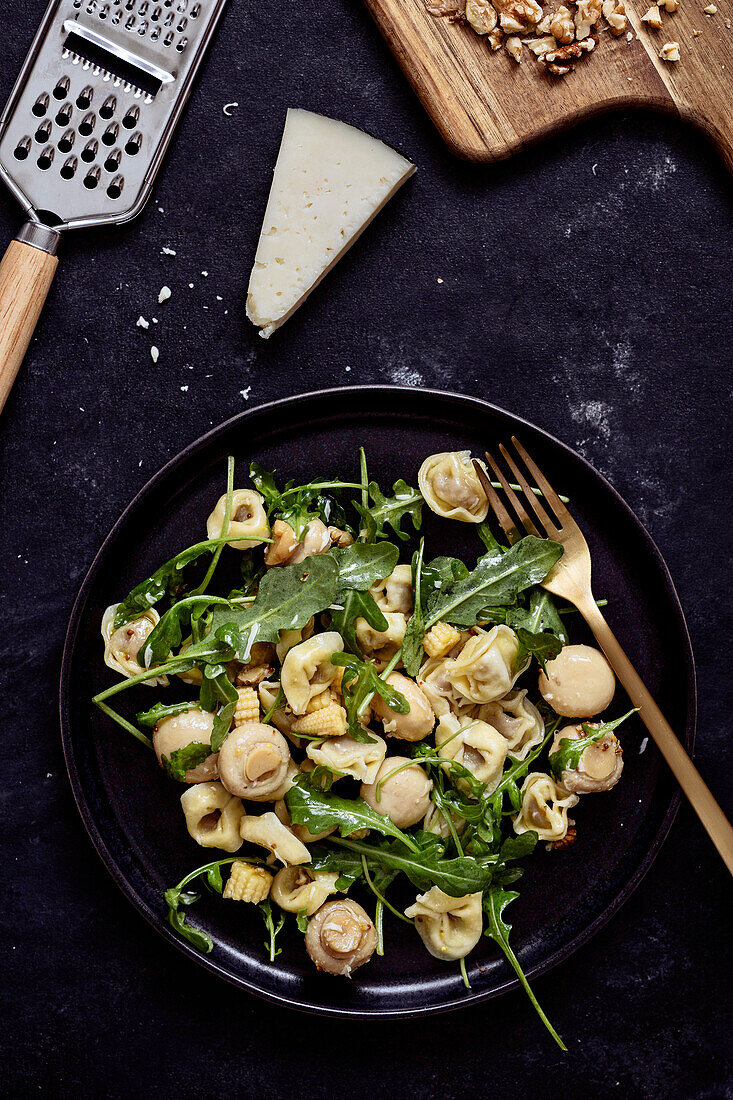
<point>518,16</point>
<point>587,16</point>
<point>670,5</point>
<point>452,10</point>
<point>710,10</point>
<point>653,17</point>
<point>670,51</point>
<point>558,62</point>
<point>541,46</point>
<point>562,26</point>
<point>495,38</point>
<point>513,47</point>
<point>481,15</point>
<point>614,12</point>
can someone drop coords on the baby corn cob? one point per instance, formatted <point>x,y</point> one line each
<point>248,883</point>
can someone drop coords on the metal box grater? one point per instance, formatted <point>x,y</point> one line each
<point>88,123</point>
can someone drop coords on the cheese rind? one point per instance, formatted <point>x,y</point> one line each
<point>330,181</point>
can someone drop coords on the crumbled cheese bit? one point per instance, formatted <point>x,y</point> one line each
<point>653,17</point>
<point>593,169</point>
<point>142,323</point>
<point>440,280</point>
<point>670,51</point>
<point>513,46</point>
<point>167,251</point>
<point>184,389</point>
<point>229,109</point>
<point>643,745</point>
<point>245,393</point>
<point>154,354</point>
<point>164,294</point>
<point>710,10</point>
<point>205,274</point>
<point>191,286</point>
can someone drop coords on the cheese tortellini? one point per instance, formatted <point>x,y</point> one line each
<point>517,720</point>
<point>381,645</point>
<point>432,679</point>
<point>449,927</point>
<point>269,832</point>
<point>545,806</point>
<point>487,667</point>
<point>248,524</point>
<point>290,638</point>
<point>350,757</point>
<point>475,745</point>
<point>451,487</point>
<point>300,890</point>
<point>121,646</point>
<point>394,593</point>
<point>307,670</point>
<point>213,816</point>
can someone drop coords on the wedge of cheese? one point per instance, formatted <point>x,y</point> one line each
<point>330,181</point>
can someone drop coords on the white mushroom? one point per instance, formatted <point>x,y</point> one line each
<point>400,791</point>
<point>177,731</point>
<point>579,682</point>
<point>307,670</point>
<point>299,889</point>
<point>545,806</point>
<point>253,762</point>
<point>121,646</point>
<point>269,832</point>
<point>213,816</point>
<point>417,723</point>
<point>599,767</point>
<point>451,487</point>
<point>449,927</point>
<point>248,524</point>
<point>488,665</point>
<point>340,937</point>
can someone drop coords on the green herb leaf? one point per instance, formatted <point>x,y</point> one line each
<point>362,565</point>
<point>497,580</point>
<point>157,713</point>
<point>319,811</point>
<point>412,647</point>
<point>336,861</point>
<point>273,927</point>
<point>301,919</point>
<point>568,753</point>
<point>200,940</point>
<point>356,605</point>
<point>426,867</point>
<point>167,578</point>
<point>495,902</point>
<point>181,760</point>
<point>540,616</point>
<point>360,683</point>
<point>543,647</point>
<point>383,511</point>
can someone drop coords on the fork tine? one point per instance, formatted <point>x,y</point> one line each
<point>512,497</point>
<point>550,495</point>
<point>508,525</point>
<point>539,511</point>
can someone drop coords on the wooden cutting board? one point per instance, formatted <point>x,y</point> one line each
<point>487,107</point>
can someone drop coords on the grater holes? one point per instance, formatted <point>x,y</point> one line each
<point>181,5</point>
<point>109,137</point>
<point>168,40</point>
<point>62,89</point>
<point>112,162</point>
<point>156,13</point>
<point>182,24</point>
<point>40,107</point>
<point>115,188</point>
<point>155,34</point>
<point>181,44</point>
<point>85,97</point>
<point>169,19</point>
<point>130,119</point>
<point>22,149</point>
<point>109,107</point>
<point>91,180</point>
<point>63,118</point>
<point>87,124</point>
<point>68,168</point>
<point>66,143</point>
<point>89,152</point>
<point>132,147</point>
<point>43,133</point>
<point>45,160</point>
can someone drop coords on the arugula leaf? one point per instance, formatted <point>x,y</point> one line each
<point>412,647</point>
<point>201,940</point>
<point>301,919</point>
<point>568,753</point>
<point>181,760</point>
<point>362,565</point>
<point>272,928</point>
<point>167,634</point>
<point>318,811</point>
<point>157,713</point>
<point>390,510</point>
<point>287,598</point>
<point>497,580</point>
<point>166,579</point>
<point>426,867</point>
<point>299,505</point>
<point>347,865</point>
<point>356,605</point>
<point>486,535</point>
<point>539,617</point>
<point>176,896</point>
<point>517,847</point>
<point>216,688</point>
<point>495,902</point>
<point>543,647</point>
<point>360,684</point>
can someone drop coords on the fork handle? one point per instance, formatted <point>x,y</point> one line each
<point>26,274</point>
<point>718,827</point>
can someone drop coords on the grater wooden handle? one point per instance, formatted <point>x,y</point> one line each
<point>26,274</point>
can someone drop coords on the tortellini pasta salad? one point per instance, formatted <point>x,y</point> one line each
<point>357,736</point>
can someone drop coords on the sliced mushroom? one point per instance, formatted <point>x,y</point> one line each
<point>340,937</point>
<point>579,682</point>
<point>180,730</point>
<point>599,767</point>
<point>253,762</point>
<point>400,791</point>
<point>417,723</point>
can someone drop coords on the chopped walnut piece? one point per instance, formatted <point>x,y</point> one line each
<point>495,38</point>
<point>513,47</point>
<point>558,62</point>
<point>541,46</point>
<point>452,10</point>
<point>518,15</point>
<point>543,27</point>
<point>562,26</point>
<point>670,51</point>
<point>587,15</point>
<point>696,34</point>
<point>653,17</point>
<point>670,5</point>
<point>614,12</point>
<point>711,9</point>
<point>481,15</point>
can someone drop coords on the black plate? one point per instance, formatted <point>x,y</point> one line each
<point>131,809</point>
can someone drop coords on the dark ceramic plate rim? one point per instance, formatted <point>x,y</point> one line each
<point>157,921</point>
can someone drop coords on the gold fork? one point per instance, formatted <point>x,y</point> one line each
<point>570,579</point>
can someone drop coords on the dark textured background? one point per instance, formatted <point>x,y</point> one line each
<point>594,302</point>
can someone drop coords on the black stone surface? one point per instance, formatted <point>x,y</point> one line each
<point>586,285</point>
